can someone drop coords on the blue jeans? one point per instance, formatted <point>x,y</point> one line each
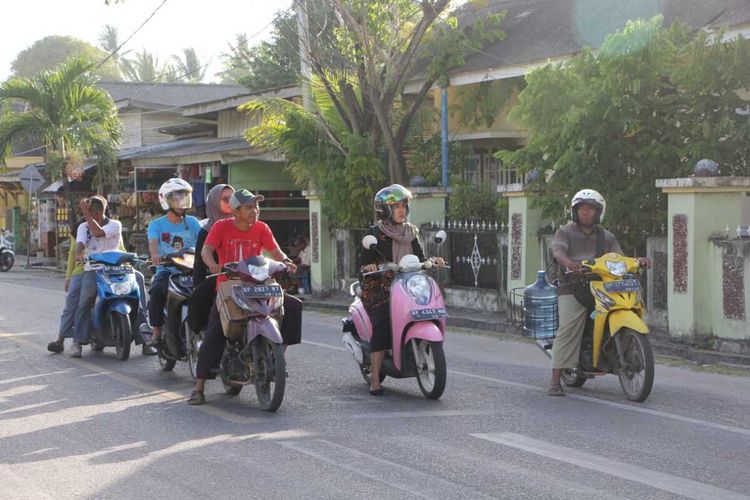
<point>67,318</point>
<point>82,326</point>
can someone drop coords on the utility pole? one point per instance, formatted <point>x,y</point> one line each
<point>303,33</point>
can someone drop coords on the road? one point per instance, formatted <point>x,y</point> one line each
<point>97,427</point>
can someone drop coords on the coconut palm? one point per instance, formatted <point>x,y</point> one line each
<point>189,68</point>
<point>73,117</point>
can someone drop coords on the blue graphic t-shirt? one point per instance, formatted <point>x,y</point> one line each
<point>173,237</point>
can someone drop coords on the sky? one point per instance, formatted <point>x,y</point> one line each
<point>207,25</point>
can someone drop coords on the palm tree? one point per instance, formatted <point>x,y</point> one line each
<point>72,116</point>
<point>189,68</point>
<point>109,41</point>
<point>144,68</point>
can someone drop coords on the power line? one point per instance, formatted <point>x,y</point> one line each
<point>132,34</point>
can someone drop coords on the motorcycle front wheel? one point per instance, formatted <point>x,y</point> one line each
<point>431,368</point>
<point>120,328</point>
<point>637,365</point>
<point>270,373</point>
<point>6,262</point>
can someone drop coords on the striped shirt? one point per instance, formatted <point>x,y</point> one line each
<point>578,246</point>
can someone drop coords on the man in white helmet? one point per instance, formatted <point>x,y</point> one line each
<point>167,234</point>
<point>580,239</point>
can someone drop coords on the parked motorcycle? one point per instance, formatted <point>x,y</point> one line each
<point>7,254</point>
<point>615,339</point>
<point>178,342</point>
<point>418,319</point>
<point>116,309</point>
<point>250,305</point>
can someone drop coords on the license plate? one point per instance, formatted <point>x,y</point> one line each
<point>261,291</point>
<point>623,286</point>
<point>423,314</point>
<point>118,269</point>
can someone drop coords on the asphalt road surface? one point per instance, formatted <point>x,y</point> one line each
<point>98,427</point>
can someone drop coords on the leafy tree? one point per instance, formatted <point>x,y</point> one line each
<point>51,51</point>
<point>379,46</point>
<point>72,115</point>
<point>649,104</point>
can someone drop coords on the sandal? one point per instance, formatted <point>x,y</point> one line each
<point>196,398</point>
<point>555,390</point>
<point>377,392</point>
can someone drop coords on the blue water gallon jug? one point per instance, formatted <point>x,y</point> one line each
<point>540,319</point>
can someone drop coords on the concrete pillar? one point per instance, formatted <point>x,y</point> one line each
<point>524,250</point>
<point>698,208</point>
<point>321,245</point>
<point>428,205</point>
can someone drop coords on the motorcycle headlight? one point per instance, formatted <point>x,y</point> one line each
<point>419,288</point>
<point>259,273</point>
<point>616,268</point>
<point>120,288</point>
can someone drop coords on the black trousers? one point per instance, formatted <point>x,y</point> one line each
<point>214,341</point>
<point>203,298</point>
<point>157,299</point>
<point>380,317</point>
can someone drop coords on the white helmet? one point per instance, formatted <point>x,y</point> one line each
<point>175,194</point>
<point>590,197</point>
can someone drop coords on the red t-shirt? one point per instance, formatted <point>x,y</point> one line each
<point>233,245</point>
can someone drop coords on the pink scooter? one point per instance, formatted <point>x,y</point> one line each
<point>417,325</point>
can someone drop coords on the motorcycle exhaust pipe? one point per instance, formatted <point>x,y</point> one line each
<point>353,347</point>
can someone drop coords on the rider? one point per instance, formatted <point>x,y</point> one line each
<point>98,234</point>
<point>168,234</point>
<point>580,239</point>
<point>396,238</point>
<point>204,289</point>
<point>233,239</point>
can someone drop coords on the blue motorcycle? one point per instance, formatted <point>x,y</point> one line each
<point>118,299</point>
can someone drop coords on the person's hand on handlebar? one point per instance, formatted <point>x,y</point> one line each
<point>369,268</point>
<point>644,262</point>
<point>438,262</point>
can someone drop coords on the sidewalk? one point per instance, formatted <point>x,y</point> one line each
<point>499,323</point>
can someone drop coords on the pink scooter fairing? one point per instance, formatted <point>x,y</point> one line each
<point>417,326</point>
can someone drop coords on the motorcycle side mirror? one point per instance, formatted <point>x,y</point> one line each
<point>369,241</point>
<point>440,236</point>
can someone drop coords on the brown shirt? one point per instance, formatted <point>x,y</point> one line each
<point>578,246</point>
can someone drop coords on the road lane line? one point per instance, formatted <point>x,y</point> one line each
<point>659,480</point>
<point>422,414</point>
<point>612,404</point>
<point>168,396</point>
<point>400,477</point>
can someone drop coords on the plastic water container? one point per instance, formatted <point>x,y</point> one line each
<point>540,320</point>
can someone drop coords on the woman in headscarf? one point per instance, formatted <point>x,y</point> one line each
<point>396,237</point>
<point>204,289</point>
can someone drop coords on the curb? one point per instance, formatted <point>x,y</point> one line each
<point>660,344</point>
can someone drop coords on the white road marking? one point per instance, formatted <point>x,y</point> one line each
<point>659,480</point>
<point>400,477</point>
<point>613,404</point>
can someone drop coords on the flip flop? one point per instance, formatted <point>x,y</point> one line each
<point>555,390</point>
<point>377,392</point>
<point>196,398</point>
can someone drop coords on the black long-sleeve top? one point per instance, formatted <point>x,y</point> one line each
<point>385,247</point>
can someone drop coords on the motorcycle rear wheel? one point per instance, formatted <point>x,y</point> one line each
<point>366,370</point>
<point>192,342</point>
<point>166,365</point>
<point>120,328</point>
<point>431,367</point>
<point>637,375</point>
<point>270,374</point>
<point>6,262</point>
<point>572,377</point>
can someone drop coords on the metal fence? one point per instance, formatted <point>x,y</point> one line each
<point>477,252</point>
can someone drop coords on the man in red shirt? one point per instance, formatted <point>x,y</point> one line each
<point>233,240</point>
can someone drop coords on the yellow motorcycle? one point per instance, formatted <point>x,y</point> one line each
<point>615,338</point>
